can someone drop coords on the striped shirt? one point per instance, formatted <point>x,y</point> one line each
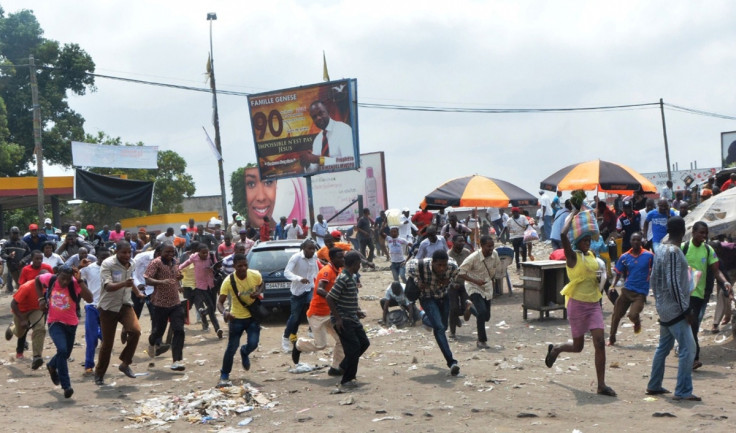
<point>345,294</point>
<point>670,283</point>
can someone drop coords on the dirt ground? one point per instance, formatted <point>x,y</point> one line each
<point>405,385</point>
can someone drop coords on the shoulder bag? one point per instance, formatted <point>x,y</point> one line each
<point>257,310</point>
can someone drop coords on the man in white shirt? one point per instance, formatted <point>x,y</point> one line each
<point>333,146</point>
<point>167,236</point>
<point>92,332</point>
<point>546,204</point>
<point>294,230</point>
<point>319,231</point>
<point>516,225</point>
<point>301,270</point>
<point>406,226</point>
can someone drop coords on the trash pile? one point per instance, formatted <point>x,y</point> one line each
<point>210,405</point>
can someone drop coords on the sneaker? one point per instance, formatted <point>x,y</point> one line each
<point>224,382</point>
<point>466,313</point>
<point>285,344</point>
<point>219,334</point>
<point>68,392</point>
<point>454,369</point>
<point>205,328</point>
<point>334,372</point>
<point>9,332</point>
<point>99,381</point>
<point>697,365</point>
<point>161,349</point>
<point>125,369</point>
<point>246,361</point>
<point>178,366</point>
<point>349,385</point>
<point>452,336</point>
<point>37,363</point>
<point>295,353</point>
<point>54,375</point>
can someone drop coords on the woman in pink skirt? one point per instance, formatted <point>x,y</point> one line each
<point>583,309</point>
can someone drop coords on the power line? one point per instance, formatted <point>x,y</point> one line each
<point>438,109</point>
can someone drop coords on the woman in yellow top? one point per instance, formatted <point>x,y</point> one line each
<point>583,309</point>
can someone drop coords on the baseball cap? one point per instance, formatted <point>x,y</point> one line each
<point>47,221</point>
<point>90,227</point>
<point>406,209</point>
<point>336,234</point>
<point>515,209</point>
<point>243,231</point>
<point>183,227</point>
<point>72,229</point>
<point>33,227</point>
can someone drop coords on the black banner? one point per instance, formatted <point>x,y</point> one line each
<point>131,194</point>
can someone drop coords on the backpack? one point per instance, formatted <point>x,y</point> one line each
<point>72,293</point>
<point>398,317</point>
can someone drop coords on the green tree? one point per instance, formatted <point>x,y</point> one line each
<point>237,190</point>
<point>60,69</point>
<point>172,184</point>
<point>11,154</point>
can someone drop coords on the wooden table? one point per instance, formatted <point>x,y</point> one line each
<point>542,281</point>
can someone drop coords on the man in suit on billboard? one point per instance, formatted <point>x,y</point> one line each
<point>330,147</point>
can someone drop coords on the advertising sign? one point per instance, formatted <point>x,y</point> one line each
<point>103,155</point>
<point>306,130</point>
<point>681,179</point>
<point>728,149</point>
<point>331,192</point>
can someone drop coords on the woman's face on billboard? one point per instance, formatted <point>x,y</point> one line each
<point>260,195</point>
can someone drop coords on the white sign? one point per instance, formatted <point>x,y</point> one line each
<point>103,155</point>
<point>681,179</point>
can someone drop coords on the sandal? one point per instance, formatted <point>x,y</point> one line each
<point>549,360</point>
<point>607,391</point>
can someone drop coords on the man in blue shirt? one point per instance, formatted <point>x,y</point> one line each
<point>658,219</point>
<point>635,265</point>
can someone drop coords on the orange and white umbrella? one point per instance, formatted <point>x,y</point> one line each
<point>598,175</point>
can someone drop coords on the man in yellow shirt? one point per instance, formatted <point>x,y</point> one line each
<point>248,287</point>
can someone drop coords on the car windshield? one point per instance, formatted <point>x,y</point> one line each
<point>267,261</point>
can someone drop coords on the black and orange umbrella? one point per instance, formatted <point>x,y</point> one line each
<point>477,191</point>
<point>598,175</point>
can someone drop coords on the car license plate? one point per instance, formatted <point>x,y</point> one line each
<point>281,285</point>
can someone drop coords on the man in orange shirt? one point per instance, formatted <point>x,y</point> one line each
<point>30,272</point>
<point>332,240</point>
<point>28,316</point>
<point>318,314</point>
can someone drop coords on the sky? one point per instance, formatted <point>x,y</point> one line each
<point>470,54</point>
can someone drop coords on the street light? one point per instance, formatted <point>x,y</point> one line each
<point>211,16</point>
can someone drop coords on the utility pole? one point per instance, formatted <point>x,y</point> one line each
<point>38,149</point>
<point>211,16</point>
<point>666,146</point>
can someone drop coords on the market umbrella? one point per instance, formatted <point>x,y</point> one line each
<point>719,212</point>
<point>477,191</point>
<point>598,175</point>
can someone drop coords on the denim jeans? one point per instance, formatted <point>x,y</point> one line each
<point>354,344</point>
<point>681,333</point>
<point>547,229</point>
<point>398,270</point>
<point>92,334</point>
<point>482,314</point>
<point>435,314</point>
<point>299,305</point>
<point>63,337</point>
<point>236,327</point>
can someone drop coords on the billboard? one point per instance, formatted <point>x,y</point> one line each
<point>330,193</point>
<point>306,130</point>
<point>103,155</point>
<point>728,149</point>
<point>681,179</point>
